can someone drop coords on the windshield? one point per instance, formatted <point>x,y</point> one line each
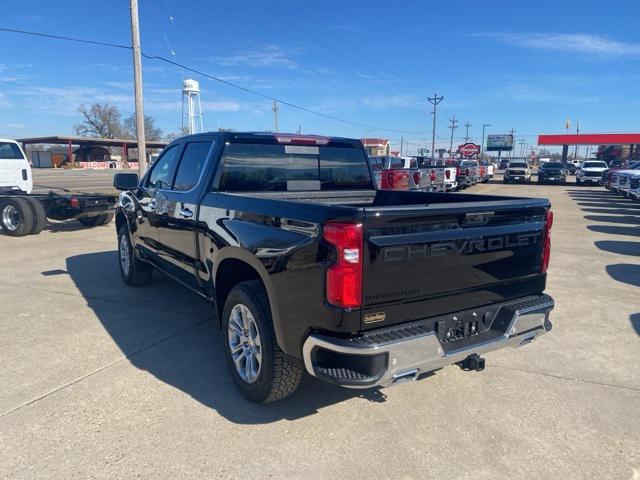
<point>594,165</point>
<point>517,165</point>
<point>10,151</point>
<point>551,165</point>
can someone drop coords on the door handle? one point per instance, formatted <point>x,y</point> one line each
<point>186,213</point>
<point>153,204</point>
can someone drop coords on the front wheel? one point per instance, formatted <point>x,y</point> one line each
<point>133,271</point>
<point>260,370</point>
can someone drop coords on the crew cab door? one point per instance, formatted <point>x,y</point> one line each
<point>149,200</point>
<point>178,209</point>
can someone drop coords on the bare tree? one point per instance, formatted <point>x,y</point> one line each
<point>151,132</point>
<point>100,120</point>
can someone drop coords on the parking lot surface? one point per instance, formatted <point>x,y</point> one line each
<point>104,381</point>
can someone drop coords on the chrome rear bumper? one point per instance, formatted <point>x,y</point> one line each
<point>422,353</point>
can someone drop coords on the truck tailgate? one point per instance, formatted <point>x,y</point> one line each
<point>426,260</point>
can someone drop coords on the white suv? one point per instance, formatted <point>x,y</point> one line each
<point>590,172</point>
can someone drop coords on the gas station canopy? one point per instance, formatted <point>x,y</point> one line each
<point>590,139</point>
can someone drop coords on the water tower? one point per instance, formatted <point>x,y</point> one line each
<point>193,113</point>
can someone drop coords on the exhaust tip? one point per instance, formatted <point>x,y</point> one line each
<point>405,376</point>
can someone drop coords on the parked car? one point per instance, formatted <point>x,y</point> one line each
<point>617,174</point>
<point>634,186</point>
<point>552,172</point>
<point>403,173</point>
<point>443,176</point>
<point>309,267</point>
<point>517,171</point>
<point>504,163</point>
<point>472,171</point>
<point>490,168</point>
<point>590,172</point>
<point>23,212</point>
<point>607,175</point>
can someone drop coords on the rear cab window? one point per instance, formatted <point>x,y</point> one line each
<point>10,151</point>
<point>248,167</point>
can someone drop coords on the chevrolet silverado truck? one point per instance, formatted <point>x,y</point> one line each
<point>309,267</point>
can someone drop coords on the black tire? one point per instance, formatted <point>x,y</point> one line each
<point>578,181</point>
<point>137,272</point>
<point>107,218</point>
<point>39,215</point>
<point>91,221</point>
<point>505,180</point>
<point>278,375</point>
<point>16,217</point>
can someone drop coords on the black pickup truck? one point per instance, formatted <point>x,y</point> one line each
<point>309,267</point>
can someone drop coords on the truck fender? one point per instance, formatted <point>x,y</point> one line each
<point>237,253</point>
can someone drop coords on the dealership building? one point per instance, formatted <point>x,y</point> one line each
<point>611,146</point>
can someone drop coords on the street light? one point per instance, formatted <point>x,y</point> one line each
<point>484,125</point>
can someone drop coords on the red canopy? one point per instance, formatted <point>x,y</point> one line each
<point>590,139</point>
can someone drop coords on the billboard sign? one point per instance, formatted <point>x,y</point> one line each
<point>468,149</point>
<point>497,143</point>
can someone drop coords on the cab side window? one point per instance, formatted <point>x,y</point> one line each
<point>163,170</point>
<point>191,165</point>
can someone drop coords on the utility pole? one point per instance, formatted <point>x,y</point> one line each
<point>137,85</point>
<point>275,116</point>
<point>575,153</point>
<point>522,143</point>
<point>512,132</point>
<point>435,100</point>
<point>401,145</point>
<point>484,125</point>
<point>466,136</point>
<point>452,127</point>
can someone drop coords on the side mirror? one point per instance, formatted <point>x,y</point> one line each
<point>125,181</point>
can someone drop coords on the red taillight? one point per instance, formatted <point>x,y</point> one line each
<point>447,173</point>
<point>344,277</point>
<point>457,171</point>
<point>417,176</point>
<point>74,202</point>
<point>432,176</point>
<point>466,172</point>
<point>546,250</point>
<point>395,180</point>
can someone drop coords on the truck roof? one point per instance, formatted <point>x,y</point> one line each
<point>278,138</point>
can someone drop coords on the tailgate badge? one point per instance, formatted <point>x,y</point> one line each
<point>480,218</point>
<point>375,317</point>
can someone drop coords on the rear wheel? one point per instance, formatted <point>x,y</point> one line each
<point>107,218</point>
<point>133,271</point>
<point>39,215</point>
<point>260,370</point>
<point>16,217</point>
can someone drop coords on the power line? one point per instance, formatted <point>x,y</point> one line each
<point>206,75</point>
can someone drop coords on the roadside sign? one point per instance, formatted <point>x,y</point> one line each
<point>469,149</point>
<point>498,143</point>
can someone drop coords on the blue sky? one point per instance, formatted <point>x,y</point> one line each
<point>522,65</point>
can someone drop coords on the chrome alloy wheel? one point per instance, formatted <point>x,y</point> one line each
<point>10,218</point>
<point>244,343</point>
<point>124,255</point>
